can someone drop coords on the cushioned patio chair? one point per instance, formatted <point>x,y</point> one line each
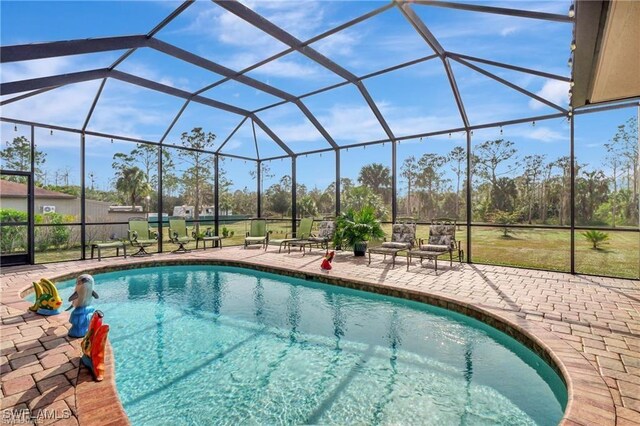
<point>303,231</point>
<point>178,234</point>
<point>326,230</point>
<point>141,235</point>
<point>257,233</point>
<point>403,237</point>
<point>442,238</point>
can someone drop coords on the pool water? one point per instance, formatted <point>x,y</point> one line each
<point>200,345</point>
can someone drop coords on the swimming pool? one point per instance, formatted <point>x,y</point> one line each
<point>224,345</point>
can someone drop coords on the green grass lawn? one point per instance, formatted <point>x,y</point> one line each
<point>527,248</point>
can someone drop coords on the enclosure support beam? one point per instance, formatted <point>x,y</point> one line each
<point>294,193</point>
<point>216,195</point>
<point>93,105</point>
<point>159,207</point>
<point>496,10</point>
<point>572,194</point>
<point>26,95</point>
<point>58,80</point>
<point>394,182</point>
<point>509,67</point>
<point>31,200</point>
<point>272,135</point>
<point>173,122</point>
<point>259,186</point>
<point>27,52</point>
<point>337,182</point>
<point>509,84</point>
<point>83,197</point>
<point>316,123</point>
<point>51,81</point>
<point>231,135</point>
<point>468,196</point>
<point>312,40</point>
<point>279,34</point>
<point>431,40</point>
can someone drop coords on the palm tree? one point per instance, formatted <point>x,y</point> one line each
<point>377,177</point>
<point>132,182</point>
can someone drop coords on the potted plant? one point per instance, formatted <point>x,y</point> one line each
<point>355,228</point>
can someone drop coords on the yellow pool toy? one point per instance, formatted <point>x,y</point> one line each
<point>48,300</point>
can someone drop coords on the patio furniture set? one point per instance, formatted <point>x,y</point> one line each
<point>302,238</point>
<point>441,240</point>
<point>141,236</point>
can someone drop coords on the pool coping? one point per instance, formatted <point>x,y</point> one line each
<point>580,377</point>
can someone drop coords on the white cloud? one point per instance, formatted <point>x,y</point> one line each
<point>145,70</point>
<point>287,68</point>
<point>339,44</point>
<point>411,121</point>
<point>36,68</point>
<point>508,30</point>
<point>351,123</point>
<point>65,106</point>
<point>543,134</point>
<point>554,91</point>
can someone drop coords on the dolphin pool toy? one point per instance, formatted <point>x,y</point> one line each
<point>80,302</point>
<point>48,301</point>
<point>93,346</point>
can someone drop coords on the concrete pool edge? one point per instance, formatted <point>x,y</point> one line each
<point>585,386</point>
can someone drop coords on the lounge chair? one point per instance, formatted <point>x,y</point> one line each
<point>303,231</point>
<point>403,237</point>
<point>257,233</point>
<point>178,234</point>
<point>141,235</point>
<point>326,229</point>
<point>442,238</point>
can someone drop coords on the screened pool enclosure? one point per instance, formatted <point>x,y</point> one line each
<point>220,111</point>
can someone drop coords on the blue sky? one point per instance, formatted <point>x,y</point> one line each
<point>413,100</point>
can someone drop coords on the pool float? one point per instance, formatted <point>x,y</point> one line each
<point>80,302</point>
<point>326,261</point>
<point>93,346</point>
<point>48,301</point>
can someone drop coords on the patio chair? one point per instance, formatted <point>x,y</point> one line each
<point>178,234</point>
<point>141,235</point>
<point>257,233</point>
<point>326,229</point>
<point>403,237</point>
<point>303,231</point>
<point>442,238</point>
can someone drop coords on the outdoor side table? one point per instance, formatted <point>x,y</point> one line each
<point>300,243</point>
<point>114,244</point>
<point>424,254</point>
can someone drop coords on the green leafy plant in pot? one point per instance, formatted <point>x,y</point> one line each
<point>355,228</point>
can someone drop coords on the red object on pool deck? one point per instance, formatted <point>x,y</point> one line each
<point>326,261</point>
<point>93,346</point>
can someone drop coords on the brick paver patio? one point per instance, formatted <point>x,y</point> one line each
<point>591,325</point>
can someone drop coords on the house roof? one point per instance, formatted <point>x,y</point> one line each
<point>10,189</point>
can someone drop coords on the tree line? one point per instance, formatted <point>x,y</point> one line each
<point>507,187</point>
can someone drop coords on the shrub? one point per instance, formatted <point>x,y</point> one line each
<point>595,237</point>
<point>48,236</point>
<point>505,219</point>
<point>12,237</point>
